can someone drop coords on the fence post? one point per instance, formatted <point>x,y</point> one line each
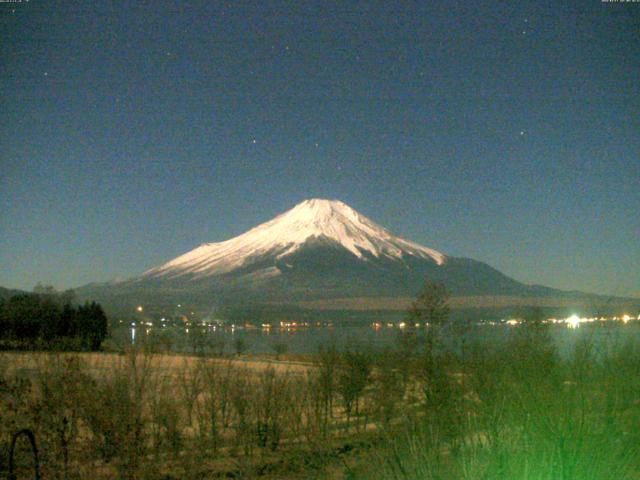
<point>32,440</point>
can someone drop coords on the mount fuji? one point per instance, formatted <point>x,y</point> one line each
<point>312,222</point>
<point>319,251</point>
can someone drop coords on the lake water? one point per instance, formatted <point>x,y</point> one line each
<point>609,334</point>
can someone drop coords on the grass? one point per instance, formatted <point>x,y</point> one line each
<point>513,408</point>
<point>526,413</point>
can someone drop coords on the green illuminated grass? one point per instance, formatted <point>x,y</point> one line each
<point>526,413</point>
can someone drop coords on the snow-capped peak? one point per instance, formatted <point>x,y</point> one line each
<point>315,218</point>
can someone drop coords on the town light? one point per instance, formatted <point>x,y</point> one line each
<point>573,321</point>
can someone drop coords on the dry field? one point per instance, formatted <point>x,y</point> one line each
<point>98,363</point>
<point>513,409</point>
<point>170,416</point>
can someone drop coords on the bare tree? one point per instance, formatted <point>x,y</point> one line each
<point>389,386</point>
<point>273,397</point>
<point>353,376</point>
<point>190,384</point>
<point>327,363</point>
<point>431,308</point>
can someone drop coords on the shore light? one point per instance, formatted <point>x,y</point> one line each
<point>573,321</point>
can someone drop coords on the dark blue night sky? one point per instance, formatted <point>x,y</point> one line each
<point>508,132</point>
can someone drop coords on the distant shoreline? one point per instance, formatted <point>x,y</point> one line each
<point>480,301</point>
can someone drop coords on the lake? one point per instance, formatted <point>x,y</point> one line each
<point>307,340</point>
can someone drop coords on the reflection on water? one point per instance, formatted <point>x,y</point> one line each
<point>308,340</point>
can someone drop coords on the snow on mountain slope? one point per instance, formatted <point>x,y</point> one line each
<point>311,219</point>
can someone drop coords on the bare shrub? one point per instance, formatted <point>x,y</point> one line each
<point>60,380</point>
<point>352,377</point>
<point>388,386</point>
<point>189,381</point>
<point>271,403</point>
<point>166,412</point>
<point>324,381</point>
<point>113,410</point>
<point>241,396</point>
<point>213,411</point>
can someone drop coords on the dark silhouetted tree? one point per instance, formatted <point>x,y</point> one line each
<point>34,318</point>
<point>92,325</point>
<point>431,306</point>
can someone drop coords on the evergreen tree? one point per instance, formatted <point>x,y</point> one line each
<point>28,318</point>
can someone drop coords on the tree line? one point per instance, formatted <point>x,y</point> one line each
<point>46,319</point>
